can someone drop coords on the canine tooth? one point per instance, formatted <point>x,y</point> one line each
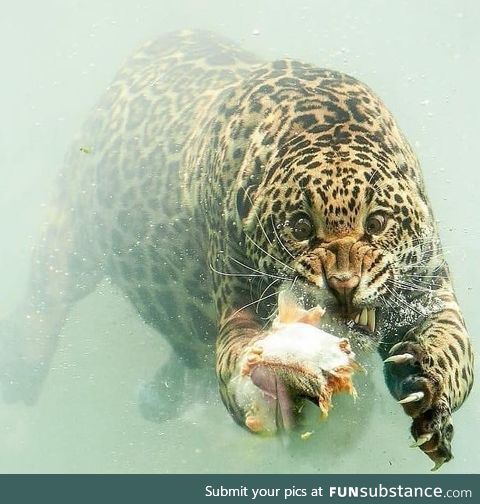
<point>424,438</point>
<point>364,317</point>
<point>415,396</point>
<point>371,320</point>
<point>357,318</point>
<point>400,359</point>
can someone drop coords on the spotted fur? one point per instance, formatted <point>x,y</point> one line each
<point>185,188</point>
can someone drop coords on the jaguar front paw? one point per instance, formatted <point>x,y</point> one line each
<point>419,387</point>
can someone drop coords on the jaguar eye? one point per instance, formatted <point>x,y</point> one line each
<point>302,227</point>
<point>375,223</point>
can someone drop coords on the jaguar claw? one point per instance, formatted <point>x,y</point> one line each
<point>415,396</point>
<point>424,438</point>
<point>438,464</point>
<point>400,359</point>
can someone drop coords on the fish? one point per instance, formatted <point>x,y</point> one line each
<point>295,360</point>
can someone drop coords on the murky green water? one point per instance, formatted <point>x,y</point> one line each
<point>57,57</point>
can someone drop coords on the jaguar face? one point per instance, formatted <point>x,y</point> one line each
<point>351,239</point>
<point>334,198</point>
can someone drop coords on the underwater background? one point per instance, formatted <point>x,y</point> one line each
<point>57,57</point>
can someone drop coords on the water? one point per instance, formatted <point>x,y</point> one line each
<point>57,57</point>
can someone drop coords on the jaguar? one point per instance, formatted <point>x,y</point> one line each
<point>206,181</point>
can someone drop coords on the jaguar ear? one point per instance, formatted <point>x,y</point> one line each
<point>244,200</point>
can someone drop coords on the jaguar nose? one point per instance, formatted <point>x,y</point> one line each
<point>344,284</point>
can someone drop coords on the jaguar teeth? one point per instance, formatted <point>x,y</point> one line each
<point>365,318</point>
<point>371,320</point>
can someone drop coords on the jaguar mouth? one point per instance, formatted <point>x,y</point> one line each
<point>365,319</point>
<point>340,308</point>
